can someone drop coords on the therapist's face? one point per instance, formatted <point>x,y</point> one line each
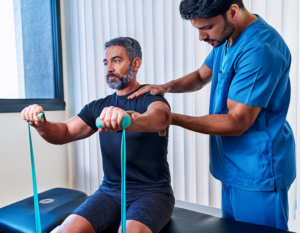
<point>215,31</point>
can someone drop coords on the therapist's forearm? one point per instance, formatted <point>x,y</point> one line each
<point>219,124</point>
<point>189,83</point>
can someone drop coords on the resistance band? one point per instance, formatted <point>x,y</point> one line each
<point>35,193</point>
<point>125,123</point>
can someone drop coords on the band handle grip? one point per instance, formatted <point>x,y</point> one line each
<point>126,121</point>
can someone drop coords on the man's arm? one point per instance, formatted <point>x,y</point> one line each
<point>189,83</point>
<point>239,119</point>
<point>57,133</point>
<point>156,119</point>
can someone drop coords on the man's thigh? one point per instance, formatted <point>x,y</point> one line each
<point>100,210</point>
<point>153,210</point>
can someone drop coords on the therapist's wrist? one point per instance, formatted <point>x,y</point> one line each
<point>175,119</point>
<point>167,87</point>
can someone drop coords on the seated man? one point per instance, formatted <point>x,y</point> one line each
<point>150,199</point>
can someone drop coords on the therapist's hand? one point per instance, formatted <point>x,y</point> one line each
<point>153,89</point>
<point>111,119</point>
<point>29,114</point>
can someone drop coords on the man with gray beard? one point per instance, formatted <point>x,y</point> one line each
<point>150,199</point>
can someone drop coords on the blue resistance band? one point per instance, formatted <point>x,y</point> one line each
<point>35,192</point>
<point>125,123</point>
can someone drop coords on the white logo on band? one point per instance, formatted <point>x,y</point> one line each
<point>46,201</point>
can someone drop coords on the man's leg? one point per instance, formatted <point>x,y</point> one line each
<point>77,224</point>
<point>149,213</point>
<point>262,208</point>
<point>99,212</point>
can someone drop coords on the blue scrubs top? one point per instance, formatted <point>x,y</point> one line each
<point>254,71</point>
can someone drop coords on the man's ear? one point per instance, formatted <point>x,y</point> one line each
<point>136,64</point>
<point>234,11</point>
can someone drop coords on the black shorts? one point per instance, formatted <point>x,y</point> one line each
<point>150,206</point>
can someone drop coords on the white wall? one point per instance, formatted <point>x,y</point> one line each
<point>54,164</point>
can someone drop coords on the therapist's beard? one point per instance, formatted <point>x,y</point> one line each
<point>226,34</point>
<point>121,82</point>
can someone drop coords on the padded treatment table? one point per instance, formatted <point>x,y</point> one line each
<point>19,217</point>
<point>186,221</point>
<point>56,205</point>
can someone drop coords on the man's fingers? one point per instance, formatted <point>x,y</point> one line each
<point>100,130</point>
<point>162,133</point>
<point>29,114</point>
<point>23,113</point>
<point>102,117</point>
<point>32,112</point>
<point>119,119</point>
<point>38,121</point>
<point>114,120</point>
<point>107,120</point>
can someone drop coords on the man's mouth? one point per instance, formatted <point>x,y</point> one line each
<point>111,77</point>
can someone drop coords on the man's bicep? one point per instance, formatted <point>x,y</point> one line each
<point>161,110</point>
<point>78,129</point>
<point>158,105</point>
<point>244,115</point>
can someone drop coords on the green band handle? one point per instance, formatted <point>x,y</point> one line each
<point>35,192</point>
<point>41,115</point>
<point>126,121</point>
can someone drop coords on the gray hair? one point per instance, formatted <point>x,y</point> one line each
<point>132,47</point>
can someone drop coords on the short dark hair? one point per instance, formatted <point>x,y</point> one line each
<point>194,9</point>
<point>132,47</point>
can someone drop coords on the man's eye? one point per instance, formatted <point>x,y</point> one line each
<point>210,27</point>
<point>117,61</point>
<point>105,63</point>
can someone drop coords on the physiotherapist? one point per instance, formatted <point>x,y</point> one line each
<point>252,148</point>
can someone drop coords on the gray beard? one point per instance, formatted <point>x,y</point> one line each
<point>121,81</point>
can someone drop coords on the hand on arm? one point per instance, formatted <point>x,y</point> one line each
<point>189,83</point>
<point>56,133</point>
<point>238,119</point>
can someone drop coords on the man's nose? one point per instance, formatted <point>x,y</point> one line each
<point>109,67</point>
<point>202,35</point>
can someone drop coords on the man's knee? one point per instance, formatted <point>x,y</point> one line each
<point>76,224</point>
<point>133,226</point>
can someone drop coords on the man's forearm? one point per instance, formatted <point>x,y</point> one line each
<point>55,133</point>
<point>219,124</point>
